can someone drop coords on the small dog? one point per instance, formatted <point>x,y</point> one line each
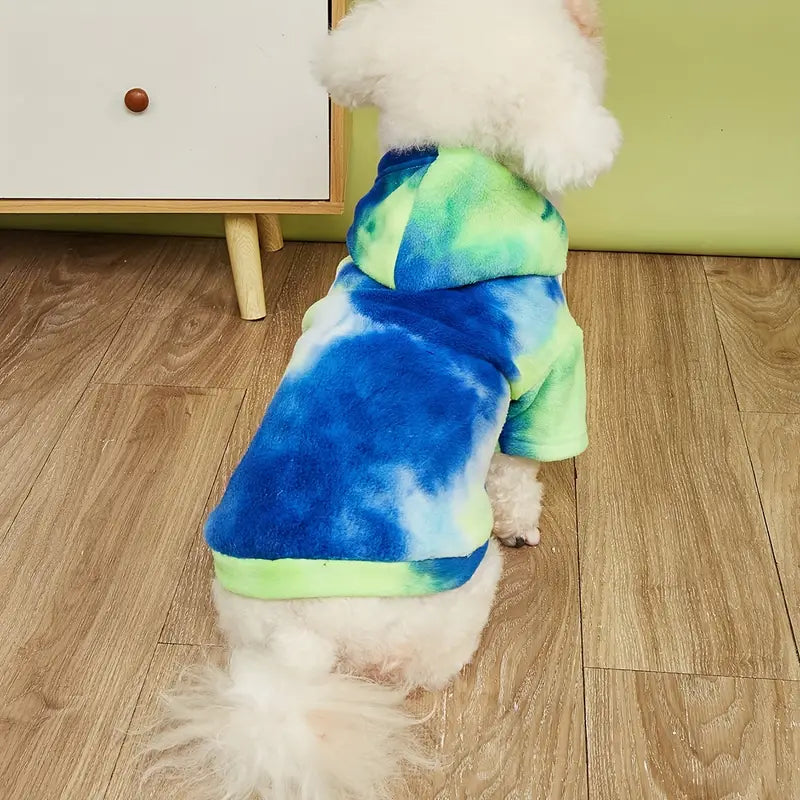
<point>352,547</point>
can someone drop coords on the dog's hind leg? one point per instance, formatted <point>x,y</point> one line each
<point>408,641</point>
<point>444,630</point>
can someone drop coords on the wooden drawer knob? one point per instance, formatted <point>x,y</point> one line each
<point>136,100</point>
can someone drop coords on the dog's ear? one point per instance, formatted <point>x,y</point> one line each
<point>568,137</point>
<point>349,62</point>
<point>586,15</point>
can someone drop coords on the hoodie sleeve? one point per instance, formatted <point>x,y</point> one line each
<point>548,422</point>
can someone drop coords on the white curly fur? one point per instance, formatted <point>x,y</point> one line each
<point>515,79</point>
<point>310,706</point>
<point>516,499</point>
<point>273,726</point>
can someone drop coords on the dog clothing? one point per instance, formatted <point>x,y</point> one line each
<point>445,335</point>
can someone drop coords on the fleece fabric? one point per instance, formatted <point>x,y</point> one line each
<point>445,335</point>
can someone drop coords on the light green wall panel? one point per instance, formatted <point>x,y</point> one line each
<point>168,224</point>
<point>708,94</point>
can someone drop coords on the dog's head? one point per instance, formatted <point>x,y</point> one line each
<point>520,80</point>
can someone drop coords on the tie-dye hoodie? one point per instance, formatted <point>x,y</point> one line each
<point>444,336</point>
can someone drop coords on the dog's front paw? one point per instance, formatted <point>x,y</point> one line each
<point>522,539</point>
<point>516,497</point>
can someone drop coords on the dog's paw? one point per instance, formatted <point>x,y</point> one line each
<point>523,539</point>
<point>516,497</point>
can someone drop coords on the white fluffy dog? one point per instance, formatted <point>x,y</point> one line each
<point>311,705</point>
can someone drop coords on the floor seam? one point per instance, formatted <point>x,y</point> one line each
<point>130,719</point>
<point>720,338</point>
<point>710,675</point>
<point>156,385</point>
<point>68,418</point>
<point>580,628</point>
<point>190,544</point>
<point>792,631</point>
<point>217,475</point>
<point>580,599</point>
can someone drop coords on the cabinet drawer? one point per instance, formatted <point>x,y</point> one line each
<point>234,112</point>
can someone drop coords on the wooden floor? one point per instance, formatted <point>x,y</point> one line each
<point>644,650</point>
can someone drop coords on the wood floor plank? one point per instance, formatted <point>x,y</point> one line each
<point>511,726</point>
<point>677,573</point>
<point>650,328</point>
<point>191,619</point>
<point>59,311</point>
<point>774,442</point>
<point>757,302</point>
<point>89,569</point>
<point>17,252</point>
<point>185,329</point>
<point>679,737</point>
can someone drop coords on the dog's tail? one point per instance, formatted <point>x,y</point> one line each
<point>274,729</point>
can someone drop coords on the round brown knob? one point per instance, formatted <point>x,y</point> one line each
<point>136,100</point>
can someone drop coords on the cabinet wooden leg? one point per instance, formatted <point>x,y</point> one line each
<point>269,232</point>
<point>241,233</point>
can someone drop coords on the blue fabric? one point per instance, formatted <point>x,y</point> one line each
<point>444,333</point>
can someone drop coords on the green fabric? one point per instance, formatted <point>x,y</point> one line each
<point>456,220</point>
<point>304,578</point>
<point>548,422</point>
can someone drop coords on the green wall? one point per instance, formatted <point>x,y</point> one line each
<point>708,94</point>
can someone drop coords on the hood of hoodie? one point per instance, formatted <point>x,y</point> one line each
<point>439,219</point>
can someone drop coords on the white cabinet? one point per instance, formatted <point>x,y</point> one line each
<point>234,112</point>
<point>235,121</point>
